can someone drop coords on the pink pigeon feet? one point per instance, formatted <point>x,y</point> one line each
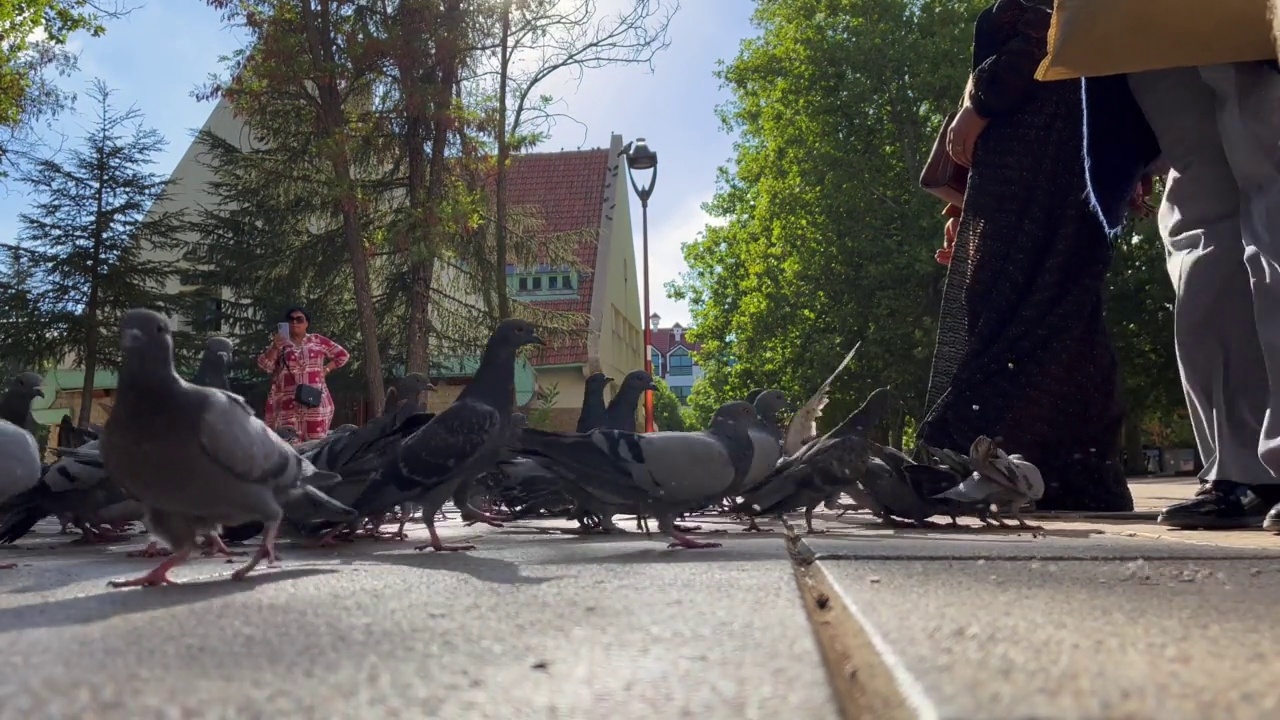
<point>94,536</point>
<point>266,552</point>
<point>684,541</point>
<point>8,566</point>
<point>473,516</point>
<point>158,576</point>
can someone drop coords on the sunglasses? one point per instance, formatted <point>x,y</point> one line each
<point>297,319</point>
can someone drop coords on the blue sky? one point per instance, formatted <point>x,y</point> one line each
<point>155,57</point>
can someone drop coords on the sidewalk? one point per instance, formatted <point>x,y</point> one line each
<point>1094,619</point>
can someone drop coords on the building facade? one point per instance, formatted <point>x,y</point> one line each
<point>672,355</point>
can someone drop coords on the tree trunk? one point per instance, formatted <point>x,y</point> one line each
<point>500,181</point>
<point>411,72</point>
<point>364,299</point>
<point>90,359</point>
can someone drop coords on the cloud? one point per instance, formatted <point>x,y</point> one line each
<point>668,232</point>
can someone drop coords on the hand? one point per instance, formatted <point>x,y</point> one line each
<point>949,233</point>
<point>963,135</point>
<point>277,340</point>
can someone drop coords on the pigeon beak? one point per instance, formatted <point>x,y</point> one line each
<point>131,337</point>
<point>609,380</point>
<point>226,357</point>
<point>535,340</point>
<point>431,388</point>
<point>39,393</point>
<point>653,387</point>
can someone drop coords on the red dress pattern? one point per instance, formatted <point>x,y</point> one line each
<point>301,364</point>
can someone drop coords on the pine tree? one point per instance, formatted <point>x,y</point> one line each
<point>97,241</point>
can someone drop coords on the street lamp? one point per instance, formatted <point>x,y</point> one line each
<point>640,157</point>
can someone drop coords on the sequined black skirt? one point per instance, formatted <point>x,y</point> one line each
<point>1022,349</point>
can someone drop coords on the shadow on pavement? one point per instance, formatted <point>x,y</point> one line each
<point>484,569</point>
<point>85,609</point>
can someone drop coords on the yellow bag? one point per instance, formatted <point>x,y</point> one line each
<point>1091,38</point>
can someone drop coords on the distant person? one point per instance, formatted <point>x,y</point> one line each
<point>1219,130</point>
<point>298,363</point>
<point>1022,349</point>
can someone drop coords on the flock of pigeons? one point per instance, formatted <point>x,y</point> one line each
<point>240,479</point>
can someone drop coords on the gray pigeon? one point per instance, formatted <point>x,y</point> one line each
<point>621,413</point>
<point>215,364</point>
<point>819,466</point>
<point>408,389</point>
<point>19,460</point>
<point>15,403</point>
<point>769,404</point>
<point>460,443</point>
<point>1007,482</point>
<point>593,409</point>
<point>661,474</point>
<point>766,440</point>
<point>197,457</point>
<point>751,396</point>
<point>77,485</point>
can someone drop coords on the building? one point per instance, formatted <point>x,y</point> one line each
<point>576,191</point>
<point>573,191</point>
<point>672,355</point>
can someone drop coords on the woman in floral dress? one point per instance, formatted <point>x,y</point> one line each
<point>304,359</point>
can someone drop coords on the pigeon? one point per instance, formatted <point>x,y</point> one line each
<point>1007,482</point>
<point>197,457</point>
<point>751,396</point>
<point>899,488</point>
<point>15,403</point>
<point>409,389</point>
<point>803,427</point>
<point>70,436</point>
<point>78,485</point>
<point>826,464</point>
<point>593,409</point>
<point>214,364</point>
<point>768,404</point>
<point>621,414</point>
<point>19,460</point>
<point>661,474</point>
<point>464,440</point>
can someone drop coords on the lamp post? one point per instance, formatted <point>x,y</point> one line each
<point>640,157</point>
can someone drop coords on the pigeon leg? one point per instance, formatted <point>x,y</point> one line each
<point>753,527</point>
<point>215,546</point>
<point>152,550</point>
<point>158,576</point>
<point>808,522</point>
<point>684,541</point>
<point>439,546</point>
<point>266,552</point>
<point>607,525</point>
<point>398,533</point>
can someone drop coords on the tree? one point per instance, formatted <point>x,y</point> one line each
<point>667,413</point>
<point>96,242</point>
<point>540,38</point>
<point>824,237</point>
<point>306,89</point>
<point>34,40</point>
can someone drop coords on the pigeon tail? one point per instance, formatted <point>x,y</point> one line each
<point>306,504</point>
<point>21,513</point>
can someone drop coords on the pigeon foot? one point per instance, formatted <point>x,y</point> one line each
<point>152,550</point>
<point>158,576</point>
<point>266,552</point>
<point>439,546</point>
<point>215,546</point>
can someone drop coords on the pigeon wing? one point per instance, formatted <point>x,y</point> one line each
<point>241,444</point>
<point>448,442</point>
<point>804,424</point>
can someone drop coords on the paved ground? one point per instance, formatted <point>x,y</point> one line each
<point>1095,619</point>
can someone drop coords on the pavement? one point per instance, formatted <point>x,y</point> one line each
<point>1093,618</point>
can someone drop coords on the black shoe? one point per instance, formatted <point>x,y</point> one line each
<point>1221,505</point>
<point>1272,522</point>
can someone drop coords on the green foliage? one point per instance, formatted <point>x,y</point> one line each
<point>667,411</point>
<point>540,418</point>
<point>823,237</point>
<point>95,243</point>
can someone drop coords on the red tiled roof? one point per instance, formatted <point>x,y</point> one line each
<point>569,187</point>
<point>664,340</point>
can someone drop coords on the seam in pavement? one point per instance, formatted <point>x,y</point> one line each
<point>867,679</point>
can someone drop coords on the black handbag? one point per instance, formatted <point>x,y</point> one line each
<point>308,396</point>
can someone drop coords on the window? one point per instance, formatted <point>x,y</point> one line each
<point>206,315</point>
<point>657,364</point>
<point>680,362</point>
<point>524,284</point>
<point>553,282</point>
<point>566,282</point>
<point>537,283</point>
<point>682,393</point>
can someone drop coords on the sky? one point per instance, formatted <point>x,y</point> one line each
<point>155,57</point>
